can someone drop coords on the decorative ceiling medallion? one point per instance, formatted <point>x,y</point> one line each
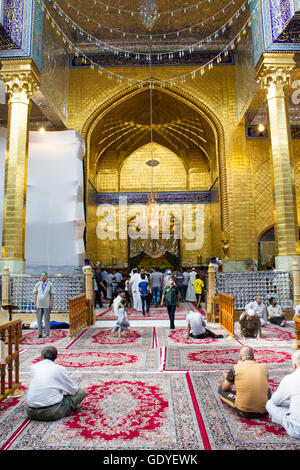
<point>152,163</point>
<point>149,13</point>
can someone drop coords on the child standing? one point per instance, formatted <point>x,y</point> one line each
<point>122,322</point>
<point>199,286</point>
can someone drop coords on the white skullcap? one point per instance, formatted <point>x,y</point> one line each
<point>250,312</point>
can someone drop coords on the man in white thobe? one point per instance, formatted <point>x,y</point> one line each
<point>259,308</point>
<point>134,286</point>
<point>190,292</point>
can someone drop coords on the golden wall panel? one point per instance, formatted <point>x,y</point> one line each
<point>261,181</point>
<point>136,175</point>
<point>107,181</point>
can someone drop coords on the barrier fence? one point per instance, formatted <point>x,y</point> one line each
<point>226,312</point>
<point>9,357</point>
<point>78,314</point>
<point>246,286</point>
<point>22,288</point>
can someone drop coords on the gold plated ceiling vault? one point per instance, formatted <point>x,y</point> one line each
<point>175,126</point>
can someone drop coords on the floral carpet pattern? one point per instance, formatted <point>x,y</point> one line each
<point>152,389</point>
<point>141,412</point>
<point>159,313</point>
<point>178,339</point>
<point>57,338</point>
<point>75,360</point>
<point>221,359</point>
<point>102,337</point>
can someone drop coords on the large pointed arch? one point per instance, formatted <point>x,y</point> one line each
<point>207,114</point>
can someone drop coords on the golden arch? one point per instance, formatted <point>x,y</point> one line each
<point>210,117</point>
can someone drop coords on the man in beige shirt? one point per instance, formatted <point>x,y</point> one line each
<point>251,382</point>
<point>43,302</point>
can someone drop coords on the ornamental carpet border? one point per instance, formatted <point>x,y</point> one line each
<point>79,361</point>
<point>95,338</point>
<point>178,359</point>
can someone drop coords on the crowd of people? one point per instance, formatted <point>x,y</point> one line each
<point>52,393</point>
<point>141,288</point>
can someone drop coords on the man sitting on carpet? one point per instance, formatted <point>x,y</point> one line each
<point>196,326</point>
<point>275,313</point>
<point>250,325</point>
<point>52,394</point>
<point>284,406</point>
<point>251,382</point>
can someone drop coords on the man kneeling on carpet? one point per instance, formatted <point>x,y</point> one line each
<point>196,326</point>
<point>52,394</point>
<point>252,389</point>
<point>250,326</point>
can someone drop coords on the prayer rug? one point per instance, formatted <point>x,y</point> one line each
<point>84,361</point>
<point>226,431</point>
<point>159,313</point>
<point>177,338</point>
<point>220,359</point>
<point>150,411</point>
<point>102,338</point>
<point>271,336</point>
<point>57,338</point>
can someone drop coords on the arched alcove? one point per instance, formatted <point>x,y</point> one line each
<point>189,145</point>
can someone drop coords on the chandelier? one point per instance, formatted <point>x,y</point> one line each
<point>149,13</point>
<point>153,218</point>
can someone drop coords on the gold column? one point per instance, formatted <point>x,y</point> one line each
<point>211,292</point>
<point>274,71</point>
<point>89,291</point>
<point>22,80</point>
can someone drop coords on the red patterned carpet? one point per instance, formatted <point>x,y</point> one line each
<point>226,431</point>
<point>159,313</point>
<point>152,389</point>
<point>57,338</point>
<point>221,359</point>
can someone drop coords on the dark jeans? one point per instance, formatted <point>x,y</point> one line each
<point>98,299</point>
<point>146,299</point>
<point>156,295</point>
<point>276,320</point>
<point>181,292</point>
<point>229,396</point>
<point>171,312</point>
<point>113,296</point>
<point>200,298</point>
<point>127,295</point>
<point>207,334</point>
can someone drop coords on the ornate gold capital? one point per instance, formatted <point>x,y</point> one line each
<point>21,78</point>
<point>275,68</point>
